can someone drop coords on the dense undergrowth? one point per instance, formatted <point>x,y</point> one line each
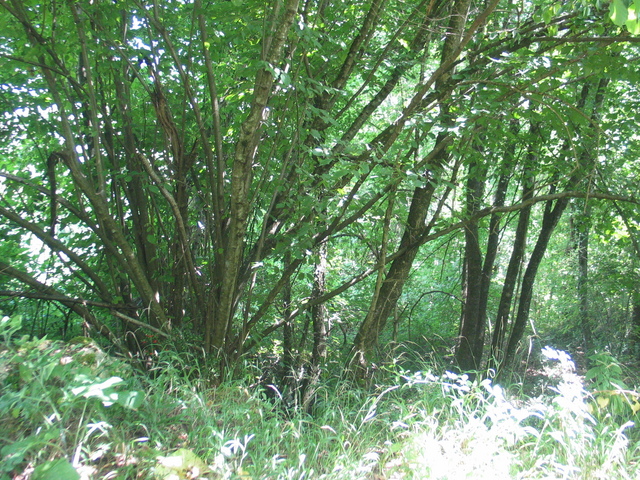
<point>70,411</point>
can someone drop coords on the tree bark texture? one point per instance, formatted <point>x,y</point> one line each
<point>471,337</point>
<point>370,329</point>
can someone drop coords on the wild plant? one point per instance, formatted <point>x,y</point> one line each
<point>54,400</point>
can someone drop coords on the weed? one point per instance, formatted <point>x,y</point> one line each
<point>68,411</point>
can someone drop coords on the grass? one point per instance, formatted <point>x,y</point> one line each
<point>69,411</point>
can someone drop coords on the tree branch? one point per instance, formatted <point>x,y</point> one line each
<point>78,308</point>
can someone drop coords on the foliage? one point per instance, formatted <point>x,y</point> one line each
<point>481,430</point>
<point>56,397</point>
<point>297,216</point>
<point>188,168</point>
<point>612,395</point>
<point>410,425</point>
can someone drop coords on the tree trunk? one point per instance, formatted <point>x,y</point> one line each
<point>288,354</point>
<point>241,176</point>
<point>581,224</point>
<point>477,273</point>
<point>552,214</point>
<point>320,330</point>
<point>550,219</point>
<point>471,337</point>
<point>391,289</point>
<point>635,325</point>
<point>511,277</point>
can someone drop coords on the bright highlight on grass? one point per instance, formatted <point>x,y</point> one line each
<point>69,411</point>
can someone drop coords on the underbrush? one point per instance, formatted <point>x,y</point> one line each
<point>69,411</point>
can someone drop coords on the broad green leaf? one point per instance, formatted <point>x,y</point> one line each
<point>10,325</point>
<point>13,454</point>
<point>26,373</point>
<point>618,12</point>
<point>549,13</point>
<point>602,401</point>
<point>59,469</point>
<point>633,25</point>
<point>101,390</point>
<point>132,399</point>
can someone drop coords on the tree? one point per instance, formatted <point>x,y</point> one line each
<point>194,168</point>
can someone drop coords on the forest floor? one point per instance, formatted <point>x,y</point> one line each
<point>70,411</point>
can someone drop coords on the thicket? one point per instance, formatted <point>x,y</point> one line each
<point>69,411</point>
<point>300,215</point>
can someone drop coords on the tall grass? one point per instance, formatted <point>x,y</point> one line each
<point>70,411</point>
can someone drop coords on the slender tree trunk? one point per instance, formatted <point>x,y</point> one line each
<point>241,176</point>
<point>592,93</point>
<point>391,289</point>
<point>319,311</point>
<point>374,323</point>
<point>288,355</point>
<point>359,360</point>
<point>478,272</point>
<point>582,234</point>
<point>635,325</point>
<point>550,219</point>
<point>511,277</point>
<point>320,330</point>
<point>471,338</point>
<point>634,331</point>
<point>492,244</point>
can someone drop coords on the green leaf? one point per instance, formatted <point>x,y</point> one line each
<point>633,26</point>
<point>549,13</point>
<point>633,23</point>
<point>12,455</point>
<point>101,390</point>
<point>547,16</point>
<point>59,469</point>
<point>132,399</point>
<point>10,325</point>
<point>26,373</point>
<point>618,12</point>
<point>106,393</point>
